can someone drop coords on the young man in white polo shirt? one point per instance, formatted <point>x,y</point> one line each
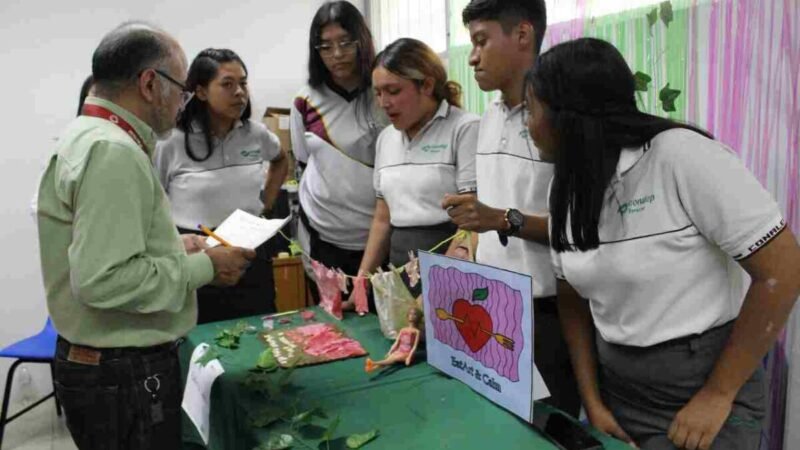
<point>511,207</point>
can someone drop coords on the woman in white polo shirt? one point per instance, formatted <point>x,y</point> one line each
<point>334,127</point>
<point>654,229</point>
<point>214,163</point>
<point>429,152</point>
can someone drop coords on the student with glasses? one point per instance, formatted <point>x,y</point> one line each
<point>213,164</point>
<point>334,127</point>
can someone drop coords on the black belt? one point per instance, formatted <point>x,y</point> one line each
<point>63,348</point>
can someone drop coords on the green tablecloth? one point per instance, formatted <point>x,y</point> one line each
<point>413,407</point>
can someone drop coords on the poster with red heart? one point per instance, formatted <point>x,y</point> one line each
<point>479,329</point>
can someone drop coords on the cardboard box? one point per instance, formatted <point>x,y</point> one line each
<point>277,121</point>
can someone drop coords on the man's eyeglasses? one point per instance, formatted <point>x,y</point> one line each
<point>345,47</point>
<point>186,96</point>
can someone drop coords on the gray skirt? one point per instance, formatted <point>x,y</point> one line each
<point>645,387</point>
<point>405,239</point>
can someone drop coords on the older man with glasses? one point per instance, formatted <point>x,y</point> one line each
<point>120,284</point>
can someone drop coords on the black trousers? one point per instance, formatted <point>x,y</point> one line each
<point>551,355</point>
<point>120,398</point>
<point>254,294</point>
<point>331,256</point>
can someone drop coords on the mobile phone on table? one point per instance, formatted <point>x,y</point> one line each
<point>566,433</point>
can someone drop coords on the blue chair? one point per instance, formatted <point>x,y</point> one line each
<point>40,348</point>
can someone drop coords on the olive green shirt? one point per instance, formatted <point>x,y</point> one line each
<point>115,270</point>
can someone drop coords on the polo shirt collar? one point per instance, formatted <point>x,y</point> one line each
<point>501,104</point>
<point>628,157</point>
<point>142,129</point>
<point>441,113</point>
<point>197,128</point>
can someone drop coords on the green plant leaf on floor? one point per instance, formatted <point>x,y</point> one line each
<point>668,97</point>
<point>359,440</point>
<point>209,355</point>
<point>666,12</point>
<point>642,81</point>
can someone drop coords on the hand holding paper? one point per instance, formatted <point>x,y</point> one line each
<point>245,230</point>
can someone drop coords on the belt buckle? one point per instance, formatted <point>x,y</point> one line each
<point>83,355</point>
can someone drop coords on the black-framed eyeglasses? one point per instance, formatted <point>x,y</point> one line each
<point>328,48</point>
<point>186,96</point>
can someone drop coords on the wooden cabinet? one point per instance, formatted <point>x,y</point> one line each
<point>290,284</point>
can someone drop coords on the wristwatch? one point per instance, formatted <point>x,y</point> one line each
<point>515,221</point>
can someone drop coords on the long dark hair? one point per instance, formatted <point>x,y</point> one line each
<point>350,19</point>
<point>413,60</point>
<point>588,90</point>
<point>203,69</point>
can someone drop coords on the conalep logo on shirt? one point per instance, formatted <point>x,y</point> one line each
<point>250,153</point>
<point>636,205</point>
<point>767,237</point>
<point>434,148</point>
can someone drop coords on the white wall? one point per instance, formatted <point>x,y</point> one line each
<point>46,48</point>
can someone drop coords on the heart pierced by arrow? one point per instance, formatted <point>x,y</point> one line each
<point>474,323</point>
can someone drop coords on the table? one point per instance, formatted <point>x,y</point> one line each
<point>414,407</point>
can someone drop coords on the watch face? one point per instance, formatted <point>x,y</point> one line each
<point>515,218</point>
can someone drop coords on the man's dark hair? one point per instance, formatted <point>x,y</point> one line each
<point>85,88</point>
<point>125,52</point>
<point>510,13</point>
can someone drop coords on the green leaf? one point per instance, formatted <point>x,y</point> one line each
<point>267,361</point>
<point>266,416</point>
<point>279,442</point>
<point>666,12</point>
<point>358,440</point>
<point>652,18</point>
<point>261,383</point>
<point>642,81</point>
<point>668,97</point>
<point>480,294</point>
<point>228,341</point>
<point>294,248</point>
<point>209,355</point>
<point>331,429</point>
<point>306,416</point>
<point>287,374</point>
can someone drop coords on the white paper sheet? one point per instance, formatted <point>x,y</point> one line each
<point>242,229</point>
<point>197,395</point>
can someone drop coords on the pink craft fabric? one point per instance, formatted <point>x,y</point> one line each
<point>359,295</point>
<point>412,270</point>
<point>328,286</point>
<point>322,339</point>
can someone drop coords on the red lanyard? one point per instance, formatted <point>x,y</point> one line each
<point>104,113</point>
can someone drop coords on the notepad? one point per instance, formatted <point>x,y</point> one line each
<point>242,229</point>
